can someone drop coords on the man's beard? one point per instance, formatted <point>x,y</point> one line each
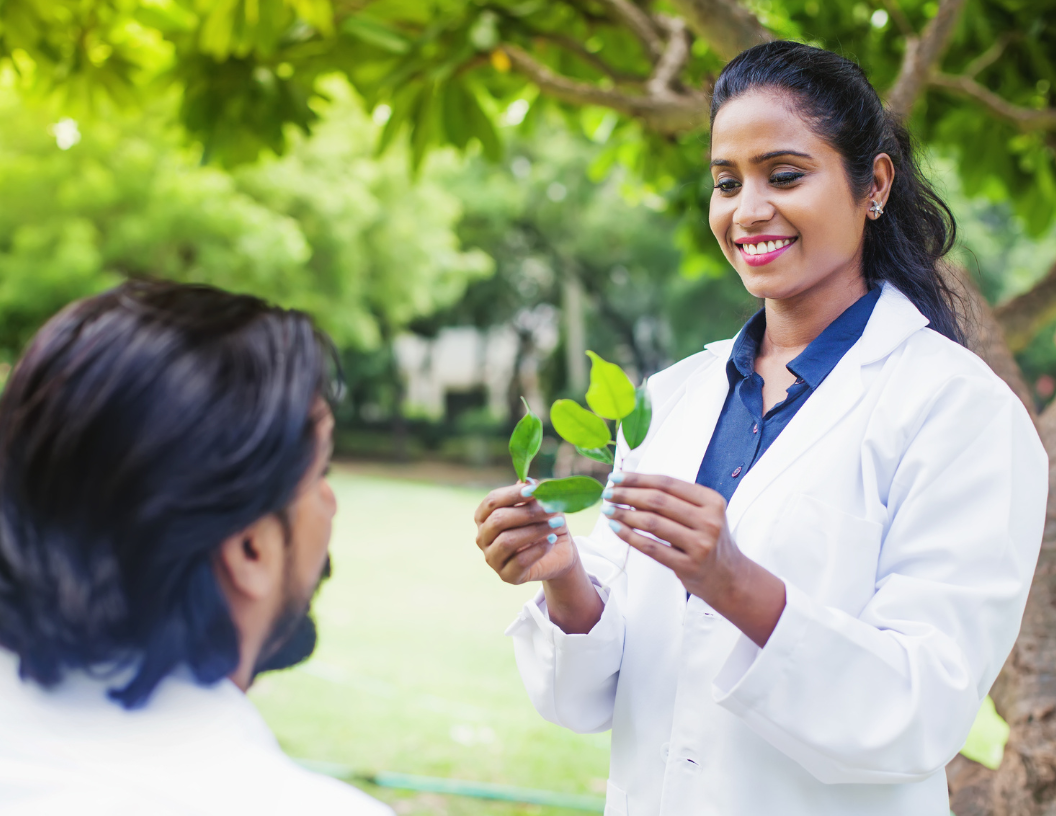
<point>293,637</point>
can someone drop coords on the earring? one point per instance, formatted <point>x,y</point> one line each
<point>876,209</point>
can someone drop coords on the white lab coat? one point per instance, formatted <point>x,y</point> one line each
<point>903,508</point>
<point>191,751</point>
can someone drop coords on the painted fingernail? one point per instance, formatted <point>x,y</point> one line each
<point>557,521</point>
<point>529,490</point>
<point>552,538</point>
<point>606,493</point>
<point>608,509</point>
<point>616,476</point>
<point>532,481</point>
<point>616,526</point>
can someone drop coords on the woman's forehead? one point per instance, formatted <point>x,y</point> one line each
<point>759,123</point>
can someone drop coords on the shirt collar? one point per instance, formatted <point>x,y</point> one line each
<point>815,362</point>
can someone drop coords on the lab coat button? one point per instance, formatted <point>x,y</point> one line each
<point>665,752</point>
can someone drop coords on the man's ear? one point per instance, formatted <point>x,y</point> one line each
<point>251,562</point>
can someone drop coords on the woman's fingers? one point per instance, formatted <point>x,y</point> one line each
<point>505,517</point>
<point>655,501</point>
<point>688,492</point>
<point>515,550</point>
<point>670,557</point>
<point>502,497</point>
<point>677,535</point>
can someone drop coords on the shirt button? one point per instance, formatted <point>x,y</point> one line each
<point>736,472</point>
<point>755,428</point>
<point>665,752</point>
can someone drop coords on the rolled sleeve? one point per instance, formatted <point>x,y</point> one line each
<point>570,679</point>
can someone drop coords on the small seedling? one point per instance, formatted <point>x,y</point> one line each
<point>611,396</point>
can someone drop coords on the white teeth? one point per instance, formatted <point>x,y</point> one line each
<point>765,246</point>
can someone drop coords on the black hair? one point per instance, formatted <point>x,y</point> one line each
<point>140,429</point>
<point>903,246</point>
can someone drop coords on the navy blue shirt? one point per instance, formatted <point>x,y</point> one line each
<point>742,433</point>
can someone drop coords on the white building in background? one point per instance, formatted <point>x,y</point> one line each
<point>463,360</point>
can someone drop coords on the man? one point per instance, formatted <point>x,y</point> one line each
<point>164,523</point>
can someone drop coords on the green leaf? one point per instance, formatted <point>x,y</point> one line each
<point>455,110</point>
<point>636,424</point>
<point>569,495</point>
<point>611,393</point>
<point>374,33</point>
<point>525,440</point>
<point>579,426</point>
<point>603,455</point>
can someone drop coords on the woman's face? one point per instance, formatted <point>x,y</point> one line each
<point>782,209</point>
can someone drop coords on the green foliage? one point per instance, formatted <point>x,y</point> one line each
<point>579,426</point>
<point>569,495</point>
<point>611,392</point>
<point>327,228</point>
<point>603,455</point>
<point>636,425</point>
<point>525,441</point>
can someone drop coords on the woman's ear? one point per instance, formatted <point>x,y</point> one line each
<point>883,178</point>
<point>251,563</point>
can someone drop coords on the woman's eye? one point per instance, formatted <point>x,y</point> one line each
<point>727,185</point>
<point>783,179</point>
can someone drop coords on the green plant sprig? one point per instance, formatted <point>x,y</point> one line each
<point>610,396</point>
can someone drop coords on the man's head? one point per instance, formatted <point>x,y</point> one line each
<point>163,499</point>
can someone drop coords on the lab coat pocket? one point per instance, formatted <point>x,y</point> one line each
<point>827,553</point>
<point>615,801</point>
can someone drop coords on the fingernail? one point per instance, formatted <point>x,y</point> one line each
<point>532,481</point>
<point>529,490</point>
<point>616,476</point>
<point>557,521</point>
<point>608,509</point>
<point>616,526</point>
<point>606,493</point>
<point>552,538</point>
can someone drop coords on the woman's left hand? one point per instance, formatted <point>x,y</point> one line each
<point>691,519</point>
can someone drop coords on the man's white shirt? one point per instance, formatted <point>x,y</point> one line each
<point>192,751</point>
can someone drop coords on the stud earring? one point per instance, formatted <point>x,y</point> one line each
<point>876,209</point>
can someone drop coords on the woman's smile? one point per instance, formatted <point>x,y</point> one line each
<point>758,250</point>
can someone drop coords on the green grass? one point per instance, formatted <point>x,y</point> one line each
<point>413,674</point>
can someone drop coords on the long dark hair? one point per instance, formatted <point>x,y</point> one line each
<point>140,429</point>
<point>903,246</point>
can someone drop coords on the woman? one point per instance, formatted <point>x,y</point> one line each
<point>815,566</point>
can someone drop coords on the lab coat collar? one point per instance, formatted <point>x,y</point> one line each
<point>894,319</point>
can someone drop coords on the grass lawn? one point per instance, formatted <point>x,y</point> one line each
<point>413,673</point>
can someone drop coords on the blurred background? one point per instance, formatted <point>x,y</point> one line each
<point>467,195</point>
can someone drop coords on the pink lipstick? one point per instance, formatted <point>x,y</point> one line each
<point>763,258</point>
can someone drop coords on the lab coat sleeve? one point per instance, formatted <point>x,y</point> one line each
<point>890,695</point>
<point>571,679</point>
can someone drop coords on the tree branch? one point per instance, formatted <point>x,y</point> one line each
<point>727,27</point>
<point>670,113</point>
<point>1024,314</point>
<point>673,59</point>
<point>643,26</point>
<point>1024,118</point>
<point>593,60</point>
<point>922,53</point>
<point>989,56</point>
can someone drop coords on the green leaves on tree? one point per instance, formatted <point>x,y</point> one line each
<point>579,426</point>
<point>611,393</point>
<point>525,441</point>
<point>569,495</point>
<point>636,425</point>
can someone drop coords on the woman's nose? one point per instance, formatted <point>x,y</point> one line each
<point>753,208</point>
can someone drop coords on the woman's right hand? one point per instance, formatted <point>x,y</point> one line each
<point>520,540</point>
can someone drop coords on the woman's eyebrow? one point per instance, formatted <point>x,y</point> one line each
<point>762,157</point>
